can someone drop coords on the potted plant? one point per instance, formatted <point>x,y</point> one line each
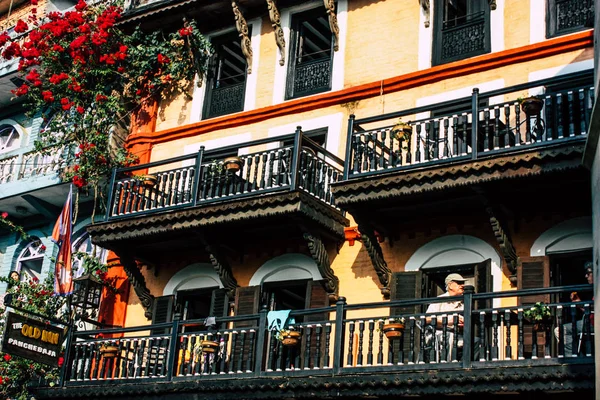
<point>531,105</point>
<point>108,351</point>
<point>209,346</point>
<point>401,131</point>
<point>147,180</point>
<point>394,329</point>
<point>288,337</point>
<point>232,164</point>
<point>539,314</point>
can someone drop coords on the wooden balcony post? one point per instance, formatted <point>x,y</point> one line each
<point>296,157</point>
<point>338,344</point>
<point>111,189</point>
<point>474,122</point>
<point>198,172</point>
<point>260,341</point>
<point>347,159</point>
<point>467,329</point>
<point>67,360</point>
<point>173,348</point>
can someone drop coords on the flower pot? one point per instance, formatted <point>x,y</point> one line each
<point>532,106</point>
<point>401,131</point>
<point>232,164</point>
<point>108,351</point>
<point>291,339</point>
<point>209,346</point>
<point>393,330</point>
<point>149,181</point>
<point>541,326</point>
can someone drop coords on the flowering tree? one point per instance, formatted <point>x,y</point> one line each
<point>85,75</point>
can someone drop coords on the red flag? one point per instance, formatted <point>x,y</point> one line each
<point>61,234</point>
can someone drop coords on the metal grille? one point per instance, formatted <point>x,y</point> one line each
<point>227,100</point>
<point>312,77</point>
<point>464,40</point>
<point>573,14</point>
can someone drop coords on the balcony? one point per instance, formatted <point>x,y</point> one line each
<point>440,137</point>
<point>344,349</point>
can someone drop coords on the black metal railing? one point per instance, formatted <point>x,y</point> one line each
<point>206,177</point>
<point>464,37</point>
<point>334,340</point>
<point>446,132</point>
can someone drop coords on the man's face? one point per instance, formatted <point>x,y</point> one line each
<point>590,277</point>
<point>456,288</point>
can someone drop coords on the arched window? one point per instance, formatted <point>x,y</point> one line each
<point>84,244</point>
<point>9,138</point>
<point>30,261</point>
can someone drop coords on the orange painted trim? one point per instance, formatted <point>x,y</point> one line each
<point>351,234</point>
<point>438,73</point>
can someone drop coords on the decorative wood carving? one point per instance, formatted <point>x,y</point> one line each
<point>319,254</point>
<point>242,28</point>
<point>506,246</point>
<point>276,24</point>
<point>492,4</point>
<point>138,282</point>
<point>425,5</point>
<point>220,264</point>
<point>333,23</point>
<point>371,242</point>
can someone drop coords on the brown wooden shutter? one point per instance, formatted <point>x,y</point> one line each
<point>162,311</point>
<point>532,273</point>
<point>318,298</point>
<point>219,304</point>
<point>246,302</point>
<point>406,286</point>
<point>483,281</point>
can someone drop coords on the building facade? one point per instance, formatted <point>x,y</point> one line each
<point>340,160</point>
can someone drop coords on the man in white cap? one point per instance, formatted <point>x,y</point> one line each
<point>455,286</point>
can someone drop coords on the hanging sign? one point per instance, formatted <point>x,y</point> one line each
<point>32,339</point>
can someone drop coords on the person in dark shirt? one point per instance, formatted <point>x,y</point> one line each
<point>568,327</point>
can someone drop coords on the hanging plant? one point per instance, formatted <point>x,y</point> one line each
<point>84,75</point>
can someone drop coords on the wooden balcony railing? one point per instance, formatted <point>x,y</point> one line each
<point>444,133</point>
<point>202,178</point>
<point>334,340</point>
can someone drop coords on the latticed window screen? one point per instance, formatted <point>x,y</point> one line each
<point>227,77</point>
<point>461,30</point>
<point>311,54</point>
<point>567,16</point>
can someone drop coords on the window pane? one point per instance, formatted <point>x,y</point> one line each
<point>9,138</point>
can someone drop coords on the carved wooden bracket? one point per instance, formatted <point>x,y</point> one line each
<point>425,5</point>
<point>492,4</point>
<point>333,23</point>
<point>138,282</point>
<point>506,246</point>
<point>242,28</point>
<point>220,264</point>
<point>371,242</point>
<point>319,254</point>
<point>276,24</point>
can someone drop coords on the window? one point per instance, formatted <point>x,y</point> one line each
<point>311,54</point>
<point>461,30</point>
<point>227,77</point>
<point>30,261</point>
<point>567,16</point>
<point>9,138</point>
<point>84,245</point>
